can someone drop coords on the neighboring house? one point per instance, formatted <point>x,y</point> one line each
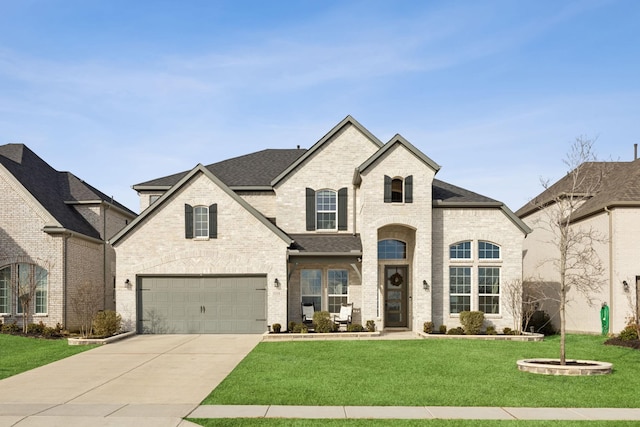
<point>53,231</point>
<point>612,212</point>
<point>239,245</point>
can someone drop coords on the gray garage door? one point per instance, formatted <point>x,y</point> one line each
<point>202,305</point>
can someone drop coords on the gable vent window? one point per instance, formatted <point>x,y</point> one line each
<point>201,221</point>
<point>398,189</point>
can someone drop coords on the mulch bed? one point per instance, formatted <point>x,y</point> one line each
<point>635,344</point>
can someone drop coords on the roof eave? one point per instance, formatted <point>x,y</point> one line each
<point>399,140</point>
<point>53,230</point>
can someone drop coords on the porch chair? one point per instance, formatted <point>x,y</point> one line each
<point>307,313</point>
<point>344,317</point>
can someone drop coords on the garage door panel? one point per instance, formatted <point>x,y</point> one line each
<point>202,304</point>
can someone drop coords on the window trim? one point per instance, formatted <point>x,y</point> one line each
<point>461,294</point>
<point>456,244</point>
<point>201,218</point>
<point>333,211</point>
<point>344,295</point>
<point>5,284</point>
<point>494,247</point>
<point>497,295</point>
<point>310,295</point>
<point>404,245</point>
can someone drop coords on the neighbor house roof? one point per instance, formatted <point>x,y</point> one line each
<point>55,191</point>
<point>618,184</point>
<point>255,170</point>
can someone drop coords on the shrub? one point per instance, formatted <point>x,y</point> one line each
<point>35,328</point>
<point>455,331</point>
<point>371,326</point>
<point>472,321</point>
<point>292,326</point>
<point>277,327</point>
<point>299,328</point>
<point>491,330</point>
<point>49,332</point>
<point>355,327</point>
<point>322,323</point>
<point>106,323</point>
<point>541,323</point>
<point>427,327</point>
<point>629,333</point>
<point>442,329</point>
<point>507,331</point>
<point>11,328</point>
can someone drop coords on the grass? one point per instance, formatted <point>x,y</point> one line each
<point>427,373</point>
<point>19,354</point>
<point>269,422</point>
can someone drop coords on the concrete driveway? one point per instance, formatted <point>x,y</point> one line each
<point>145,380</point>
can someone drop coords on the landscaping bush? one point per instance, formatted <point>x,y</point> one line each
<point>355,327</point>
<point>629,333</point>
<point>427,327</point>
<point>35,328</point>
<point>11,328</point>
<point>491,330</point>
<point>322,323</point>
<point>106,323</point>
<point>277,327</point>
<point>541,323</point>
<point>442,329</point>
<point>507,331</point>
<point>455,331</point>
<point>299,328</point>
<point>371,326</point>
<point>50,332</point>
<point>472,321</point>
<point>292,326</point>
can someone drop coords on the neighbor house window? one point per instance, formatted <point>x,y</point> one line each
<point>460,250</point>
<point>338,281</point>
<point>392,249</point>
<point>32,288</point>
<point>326,210</point>
<point>488,250</point>
<point>489,290</point>
<point>201,221</point>
<point>459,289</point>
<point>311,288</point>
<point>5,290</point>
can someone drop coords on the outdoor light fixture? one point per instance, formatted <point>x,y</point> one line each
<point>276,283</point>
<point>625,285</point>
<point>127,283</point>
<point>425,285</point>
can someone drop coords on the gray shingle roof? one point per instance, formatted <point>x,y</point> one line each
<point>53,189</point>
<point>620,185</point>
<point>327,243</point>
<point>252,170</point>
<point>448,193</point>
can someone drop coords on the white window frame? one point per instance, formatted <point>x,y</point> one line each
<point>200,222</point>
<point>344,295</point>
<point>321,209</point>
<point>456,258</point>
<point>40,302</point>
<point>493,247</point>
<point>5,288</point>
<point>461,294</point>
<point>309,295</point>
<point>492,294</point>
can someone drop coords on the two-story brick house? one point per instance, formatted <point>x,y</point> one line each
<point>241,244</point>
<point>53,232</point>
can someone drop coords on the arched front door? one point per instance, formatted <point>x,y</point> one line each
<point>396,296</point>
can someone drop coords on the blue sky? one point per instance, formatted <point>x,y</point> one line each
<point>121,92</point>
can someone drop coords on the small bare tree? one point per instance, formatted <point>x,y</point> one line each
<point>86,301</point>
<point>512,291</point>
<point>532,299</point>
<point>577,263</point>
<point>28,284</point>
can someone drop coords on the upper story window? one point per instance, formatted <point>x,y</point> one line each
<point>201,221</point>
<point>460,250</point>
<point>488,250</point>
<point>398,189</point>
<point>392,249</point>
<point>326,209</point>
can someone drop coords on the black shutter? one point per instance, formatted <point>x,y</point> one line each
<point>342,208</point>
<point>408,189</point>
<point>213,221</point>
<point>311,209</point>
<point>387,189</point>
<point>188,221</point>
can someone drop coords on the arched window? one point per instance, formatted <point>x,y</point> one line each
<point>488,250</point>
<point>201,221</point>
<point>460,250</point>
<point>392,249</point>
<point>5,290</point>
<point>396,190</point>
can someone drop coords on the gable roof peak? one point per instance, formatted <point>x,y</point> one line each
<point>398,140</point>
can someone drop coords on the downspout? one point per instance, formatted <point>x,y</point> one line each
<point>611,308</point>
<point>65,267</point>
<point>355,205</point>
<point>104,256</point>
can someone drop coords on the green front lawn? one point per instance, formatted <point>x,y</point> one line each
<point>279,422</point>
<point>19,354</point>
<point>427,373</point>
